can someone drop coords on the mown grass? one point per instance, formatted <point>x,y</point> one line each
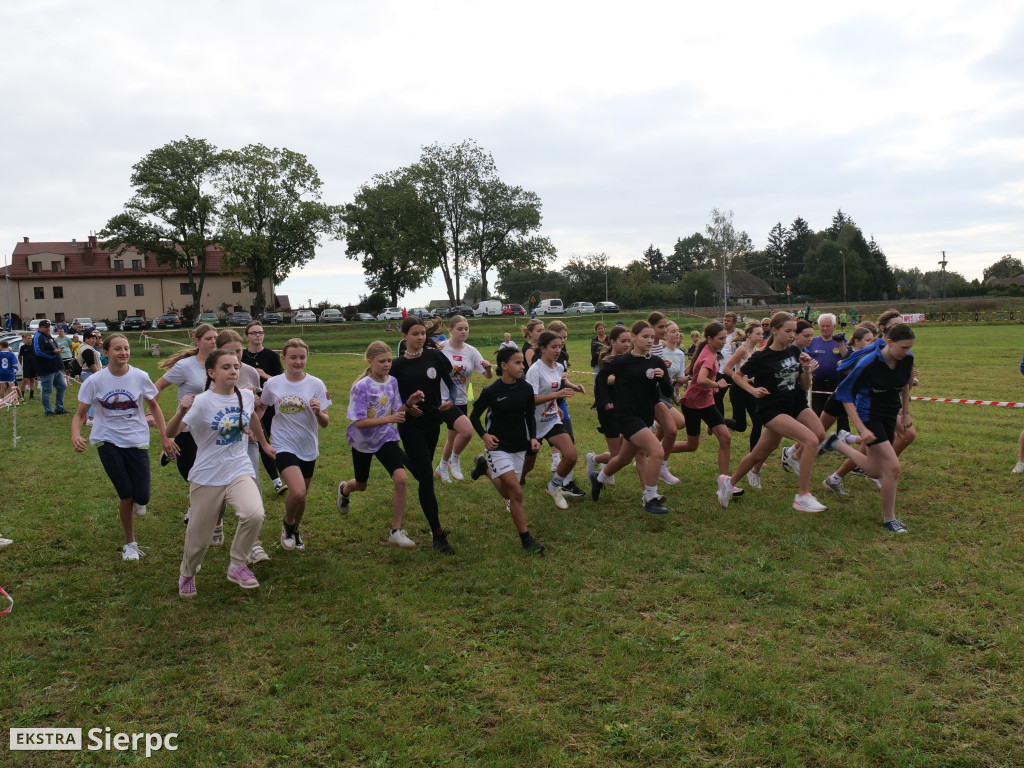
<point>749,637</point>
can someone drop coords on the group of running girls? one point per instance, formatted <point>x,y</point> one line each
<point>397,406</point>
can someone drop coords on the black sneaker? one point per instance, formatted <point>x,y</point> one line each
<point>164,459</point>
<point>571,489</point>
<point>479,467</point>
<point>533,547</point>
<point>595,486</point>
<point>441,543</point>
<point>60,412</point>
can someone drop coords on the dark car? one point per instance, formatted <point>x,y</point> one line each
<point>460,310</point>
<point>271,318</point>
<point>240,318</point>
<point>606,306</point>
<point>167,321</point>
<point>133,323</point>
<point>513,309</point>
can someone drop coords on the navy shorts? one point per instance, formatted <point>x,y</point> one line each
<point>389,454</point>
<point>128,470</point>
<point>285,460</point>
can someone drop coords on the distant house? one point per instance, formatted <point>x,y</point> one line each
<point>436,304</point>
<point>745,288</point>
<point>1005,282</point>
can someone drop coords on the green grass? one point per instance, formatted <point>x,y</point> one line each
<point>755,636</point>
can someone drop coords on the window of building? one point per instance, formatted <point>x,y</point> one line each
<point>58,292</point>
<point>186,288</point>
<point>55,266</point>
<point>58,317</point>
<point>119,290</point>
<point>118,265</point>
<point>136,264</point>
<point>236,286</point>
<point>123,313</point>
<point>37,266</point>
<point>139,290</point>
<point>38,293</point>
<point>140,313</point>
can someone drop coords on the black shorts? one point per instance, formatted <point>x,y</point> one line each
<point>555,431</point>
<point>608,424</point>
<point>694,416</point>
<point>128,470</point>
<point>630,424</point>
<point>768,411</point>
<point>389,454</point>
<point>834,408</point>
<point>450,416</point>
<point>285,460</point>
<point>884,430</point>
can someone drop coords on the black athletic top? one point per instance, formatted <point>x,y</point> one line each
<point>778,372</point>
<point>604,393</point>
<point>266,360</point>
<point>875,388</point>
<point>637,390</point>
<point>510,415</point>
<point>425,373</point>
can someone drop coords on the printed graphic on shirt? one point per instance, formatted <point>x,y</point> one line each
<point>119,402</point>
<point>788,373</point>
<point>291,404</point>
<point>227,426</point>
<point>551,407</point>
<point>379,406</point>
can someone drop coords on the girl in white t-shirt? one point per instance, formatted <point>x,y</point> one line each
<point>464,359</point>
<point>220,419</point>
<point>301,402</point>
<point>119,395</point>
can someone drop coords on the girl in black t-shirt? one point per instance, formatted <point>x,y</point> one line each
<point>510,430</point>
<point>267,364</point>
<point>619,342</point>
<point>423,368</point>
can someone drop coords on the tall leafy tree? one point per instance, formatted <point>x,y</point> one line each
<point>655,261</point>
<point>728,246</point>
<point>174,211</point>
<point>273,213</point>
<point>801,239</point>
<point>390,226</point>
<point>838,222</point>
<point>1007,266</point>
<point>690,254</point>
<point>823,273</point>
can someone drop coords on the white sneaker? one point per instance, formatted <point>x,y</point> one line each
<point>287,537</point>
<point>4,542</point>
<point>139,510</point>
<point>257,555</point>
<point>1018,468</point>
<point>400,539</point>
<point>455,470</point>
<point>724,490</point>
<point>441,473</point>
<point>834,485</point>
<point>556,459</point>
<point>590,461</point>
<point>556,494</point>
<point>131,551</point>
<point>807,503</point>
<point>217,540</point>
<point>666,476</point>
<point>754,480</point>
<point>343,500</point>
<point>788,463</point>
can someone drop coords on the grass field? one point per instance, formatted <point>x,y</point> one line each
<point>753,636</point>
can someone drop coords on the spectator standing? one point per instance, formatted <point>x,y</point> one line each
<point>828,352</point>
<point>50,368</point>
<point>63,341</point>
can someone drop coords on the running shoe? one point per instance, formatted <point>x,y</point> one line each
<point>754,480</point>
<point>342,500</point>
<point>666,476</point>
<point>279,486</point>
<point>1018,468</point>
<point>555,492</point>
<point>165,460</point>
<point>479,467</point>
<point>441,543</point>
<point>724,492</point>
<point>595,486</point>
<point>299,543</point>
<point>4,542</point>
<point>139,510</point>
<point>287,536</point>
<point>590,462</point>
<point>187,586</point>
<point>441,473</point>
<point>217,540</point>
<point>610,480</point>
<point>834,484</point>
<point>455,470</point>
<point>788,463</point>
<point>736,491</point>
<point>571,489</point>
<point>894,526</point>
<point>655,506</point>
<point>861,473</point>
<point>807,503</point>
<point>131,551</point>
<point>399,538</point>
<point>257,555</point>
<point>532,546</point>
<point>239,573</point>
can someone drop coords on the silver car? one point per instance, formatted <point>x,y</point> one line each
<point>580,308</point>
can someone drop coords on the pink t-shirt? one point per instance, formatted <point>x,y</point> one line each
<point>698,397</point>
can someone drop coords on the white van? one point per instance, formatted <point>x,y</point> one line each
<point>491,307</point>
<point>550,307</point>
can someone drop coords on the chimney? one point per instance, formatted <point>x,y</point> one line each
<point>93,242</point>
<point>25,239</point>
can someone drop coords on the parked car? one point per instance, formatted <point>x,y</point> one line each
<point>167,321</point>
<point>391,313</point>
<point>240,318</point>
<point>459,310</point>
<point>421,312</point>
<point>133,323</point>
<point>271,318</point>
<point>580,308</point>
<point>332,316</point>
<point>606,306</point>
<point>304,316</point>
<point>487,308</point>
<point>34,323</point>
<point>85,322</point>
<point>100,326</point>
<point>513,309</point>
<point>363,317</point>
<point>550,307</point>
<point>207,317</point>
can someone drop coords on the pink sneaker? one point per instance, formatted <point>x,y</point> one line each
<point>187,586</point>
<point>240,574</point>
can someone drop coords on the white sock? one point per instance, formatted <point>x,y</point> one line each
<point>650,492</point>
<point>557,480</point>
<point>664,464</point>
<point>454,459</point>
<point>601,476</point>
<point>568,478</point>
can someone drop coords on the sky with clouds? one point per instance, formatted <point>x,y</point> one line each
<point>630,121</point>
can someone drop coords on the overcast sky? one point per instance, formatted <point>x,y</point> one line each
<point>630,120</point>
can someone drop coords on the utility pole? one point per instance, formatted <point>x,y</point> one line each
<point>942,277</point>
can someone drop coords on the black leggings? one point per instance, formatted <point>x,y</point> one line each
<point>186,453</point>
<point>742,404</point>
<point>420,442</point>
<point>268,463</point>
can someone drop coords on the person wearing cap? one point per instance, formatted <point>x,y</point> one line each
<point>50,368</point>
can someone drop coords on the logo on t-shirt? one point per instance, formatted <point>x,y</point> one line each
<point>228,426</point>
<point>431,373</point>
<point>291,404</point>
<point>119,401</point>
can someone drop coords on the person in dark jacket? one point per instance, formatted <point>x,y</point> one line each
<point>50,369</point>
